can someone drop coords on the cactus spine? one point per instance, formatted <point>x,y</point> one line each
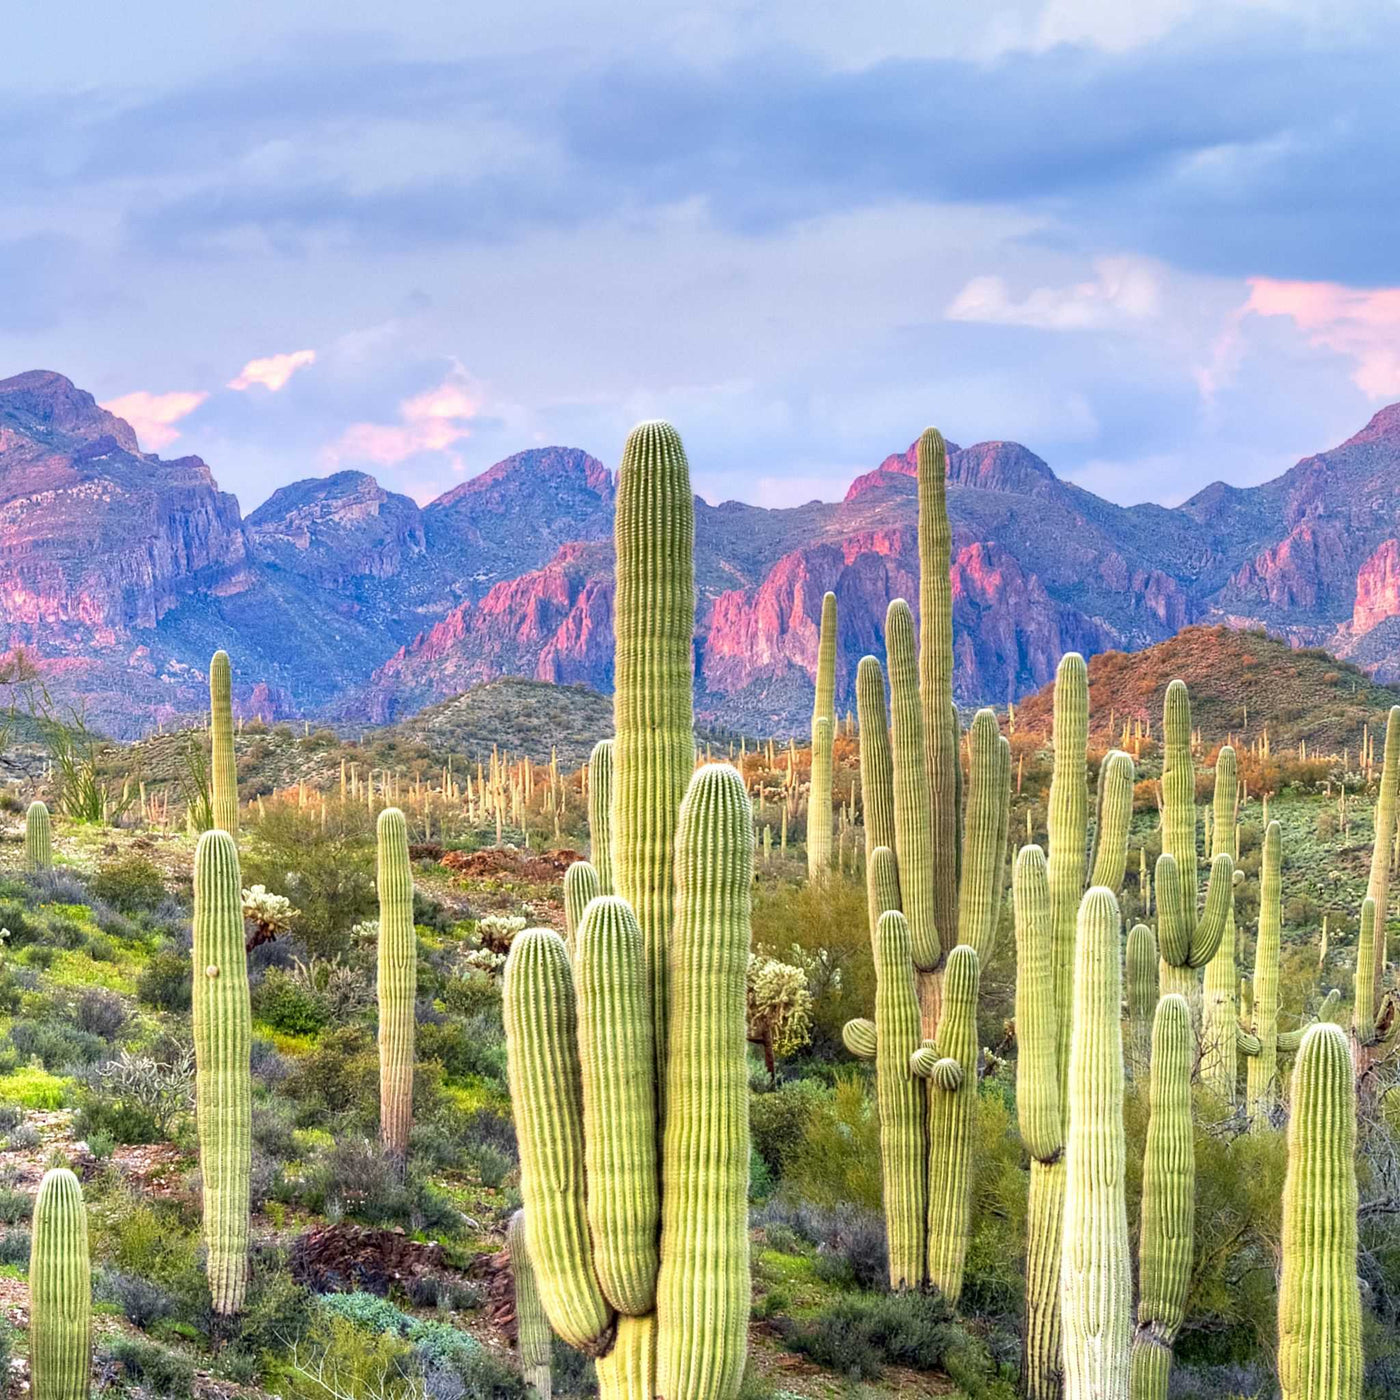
<point>223,770</point>
<point>398,982</point>
<point>1319,1302</point>
<point>1220,1010</point>
<point>823,737</point>
<point>1096,1273</point>
<point>60,1291</point>
<point>532,1333</point>
<point>600,799</point>
<point>38,838</point>
<point>223,1022</point>
<point>581,887</point>
<point>1261,1069</point>
<point>1168,1201</point>
<point>1140,978</point>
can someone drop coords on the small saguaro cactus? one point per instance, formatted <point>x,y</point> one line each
<point>600,800</point>
<point>60,1291</point>
<point>581,887</point>
<point>876,788</point>
<point>532,1333</point>
<point>1260,1044</point>
<point>223,1022</point>
<point>1319,1300</point>
<point>1220,1012</point>
<point>398,983</point>
<point>38,838</point>
<point>1096,1272</point>
<point>1168,1201</point>
<point>1363,1017</point>
<point>823,740</point>
<point>223,769</point>
<point>1382,851</point>
<point>1140,986</point>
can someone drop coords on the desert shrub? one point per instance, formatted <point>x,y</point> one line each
<point>778,1120</point>
<point>473,993</point>
<point>15,1205</point>
<point>100,1013</point>
<point>355,1177</point>
<point>837,1160</point>
<point>287,1004</point>
<point>129,885</point>
<point>340,1075</point>
<point>14,1246</point>
<point>1301,910</point>
<point>164,983</point>
<point>141,1301</point>
<point>861,1334</point>
<point>338,1358</point>
<point>155,1369</point>
<point>55,1045</point>
<point>160,1086</point>
<point>475,1047</point>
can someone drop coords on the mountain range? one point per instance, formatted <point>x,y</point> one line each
<point>120,572</point>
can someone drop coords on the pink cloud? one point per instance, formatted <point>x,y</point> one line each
<point>1362,325</point>
<point>153,416</point>
<point>432,421</point>
<point>272,371</point>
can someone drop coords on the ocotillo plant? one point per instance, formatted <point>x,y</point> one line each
<point>1096,1272</point>
<point>1140,987</point>
<point>38,838</point>
<point>1168,1201</point>
<point>1319,1301</point>
<point>223,769</point>
<point>1188,940</point>
<point>1220,1013</point>
<point>60,1291</point>
<point>223,1022</point>
<point>600,799</point>
<point>532,1334</point>
<point>823,739</point>
<point>398,983</point>
<point>1047,897</point>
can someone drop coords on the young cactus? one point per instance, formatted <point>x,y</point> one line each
<point>398,983</point>
<point>1096,1273</point>
<point>223,1024</point>
<point>533,1337</point>
<point>1140,985</point>
<point>600,799</point>
<point>1319,1300</point>
<point>581,887</point>
<point>223,770</point>
<point>1168,1201</point>
<point>38,838</point>
<point>1220,1009</point>
<point>823,738</point>
<point>60,1291</point>
<point>1260,1045</point>
<point>877,794</point>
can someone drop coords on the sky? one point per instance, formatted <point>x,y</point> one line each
<point>1154,242</point>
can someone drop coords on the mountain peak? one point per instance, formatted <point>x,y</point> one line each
<point>532,467</point>
<point>49,408</point>
<point>987,466</point>
<point>1383,425</point>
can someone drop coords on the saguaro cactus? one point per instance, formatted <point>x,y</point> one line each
<point>581,886</point>
<point>1168,1201</point>
<point>1363,1017</point>
<point>223,770</point>
<point>1261,1068</point>
<point>877,792</point>
<point>223,1024</point>
<point>532,1332</point>
<point>60,1291</point>
<point>1140,977</point>
<point>823,739</point>
<point>1096,1273</point>
<point>600,800</point>
<point>1319,1302</point>
<point>38,838</point>
<point>398,982</point>
<point>1220,1013</point>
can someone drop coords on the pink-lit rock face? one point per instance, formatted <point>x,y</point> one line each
<point>1377,588</point>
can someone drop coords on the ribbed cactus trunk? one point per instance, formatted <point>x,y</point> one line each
<point>654,751</point>
<point>1220,1012</point>
<point>1363,1016</point>
<point>532,1331</point>
<point>38,838</point>
<point>1168,1201</point>
<point>877,791</point>
<point>1319,1301</point>
<point>703,1291</point>
<point>950,1066</point>
<point>1261,1067</point>
<point>581,887</point>
<point>60,1291</point>
<point>223,1023</point>
<point>823,740</point>
<point>1095,1270</point>
<point>223,769</point>
<point>1378,885</point>
<point>398,983</point>
<point>600,800</point>
<point>984,836</point>
<point>1140,986</point>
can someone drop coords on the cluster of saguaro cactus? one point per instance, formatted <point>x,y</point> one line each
<point>223,1080</point>
<point>823,740</point>
<point>398,982</point>
<point>38,838</point>
<point>639,1236</point>
<point>223,769</point>
<point>60,1291</point>
<point>533,1338</point>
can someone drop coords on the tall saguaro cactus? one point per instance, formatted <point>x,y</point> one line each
<point>1261,1048</point>
<point>600,799</point>
<point>1095,1271</point>
<point>223,769</point>
<point>398,982</point>
<point>823,740</point>
<point>877,792</point>
<point>1168,1201</point>
<point>1140,988</point>
<point>1319,1301</point>
<point>1220,1012</point>
<point>1378,884</point>
<point>223,1023</point>
<point>60,1291</point>
<point>581,887</point>
<point>38,838</point>
<point>532,1332</point>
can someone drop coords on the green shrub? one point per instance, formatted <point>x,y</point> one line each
<point>778,1120</point>
<point>861,1334</point>
<point>837,1160</point>
<point>164,983</point>
<point>131,885</point>
<point>287,1004</point>
<point>156,1369</point>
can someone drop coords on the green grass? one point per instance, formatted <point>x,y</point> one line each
<point>34,1088</point>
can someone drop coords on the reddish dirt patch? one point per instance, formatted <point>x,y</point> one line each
<point>510,862</point>
<point>344,1256</point>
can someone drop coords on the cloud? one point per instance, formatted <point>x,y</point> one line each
<point>1124,289</point>
<point>153,416</point>
<point>272,371</point>
<point>432,421</point>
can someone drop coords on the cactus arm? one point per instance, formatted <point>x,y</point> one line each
<point>532,1331</point>
<point>546,1092</point>
<point>1261,1073</point>
<point>1140,977</point>
<point>223,1033</point>
<point>60,1291</point>
<point>983,839</point>
<point>397,982</point>
<point>38,838</point>
<point>582,885</point>
<point>876,763</point>
<point>1363,1016</point>
<point>600,799</point>
<point>223,769</point>
<point>703,1292</point>
<point>881,886</point>
<point>860,1038</point>
<point>1179,795</point>
<point>823,737</point>
<point>1220,1009</point>
<point>1037,1033</point>
<point>1115,815</point>
<point>1378,883</point>
<point>1289,1041</point>
<point>1220,898</point>
<point>1173,927</point>
<point>617,1063</point>
<point>1246,1042</point>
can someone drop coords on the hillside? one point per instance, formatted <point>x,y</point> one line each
<point>1241,683</point>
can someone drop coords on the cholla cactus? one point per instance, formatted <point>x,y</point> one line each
<point>270,914</point>
<point>496,932</point>
<point>779,1007</point>
<point>38,838</point>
